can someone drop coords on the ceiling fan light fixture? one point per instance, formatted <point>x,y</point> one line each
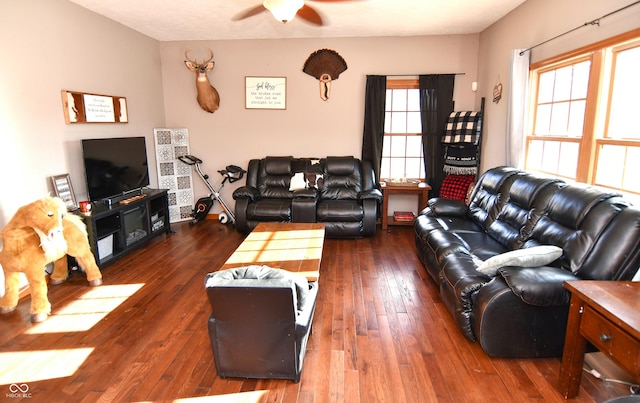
<point>283,10</point>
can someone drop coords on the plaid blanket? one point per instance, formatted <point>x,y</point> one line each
<point>460,159</point>
<point>463,127</point>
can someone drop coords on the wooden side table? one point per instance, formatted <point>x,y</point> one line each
<point>408,188</point>
<point>605,313</point>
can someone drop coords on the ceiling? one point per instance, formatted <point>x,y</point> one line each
<point>182,20</point>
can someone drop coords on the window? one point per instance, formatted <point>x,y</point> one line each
<point>402,156</point>
<point>559,123</point>
<point>583,108</point>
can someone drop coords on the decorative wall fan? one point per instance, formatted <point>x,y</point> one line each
<point>285,10</point>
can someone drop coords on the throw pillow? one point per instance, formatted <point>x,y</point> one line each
<point>529,257</point>
<point>297,182</point>
<point>315,180</point>
<point>314,174</point>
<point>456,186</point>
<point>467,198</point>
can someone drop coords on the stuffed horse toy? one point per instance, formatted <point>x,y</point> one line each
<point>40,233</point>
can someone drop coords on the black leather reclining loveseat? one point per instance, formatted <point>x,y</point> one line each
<point>518,306</point>
<point>340,192</point>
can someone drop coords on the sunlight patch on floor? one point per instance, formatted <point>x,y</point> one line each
<point>82,314</point>
<point>32,366</point>
<point>245,397</point>
<point>279,246</point>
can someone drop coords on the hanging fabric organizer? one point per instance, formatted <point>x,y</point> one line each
<point>462,141</point>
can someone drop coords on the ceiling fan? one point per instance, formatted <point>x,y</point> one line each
<point>286,10</point>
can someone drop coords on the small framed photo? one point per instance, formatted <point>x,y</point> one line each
<point>265,93</point>
<point>64,190</point>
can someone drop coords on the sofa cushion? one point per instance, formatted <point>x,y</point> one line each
<point>490,194</point>
<point>269,210</point>
<point>528,196</point>
<point>340,165</point>
<point>339,211</point>
<point>278,165</point>
<point>342,178</point>
<point>529,257</point>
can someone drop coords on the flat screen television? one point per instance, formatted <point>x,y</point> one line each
<point>115,166</point>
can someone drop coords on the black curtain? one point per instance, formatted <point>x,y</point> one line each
<point>373,135</point>
<point>436,103</point>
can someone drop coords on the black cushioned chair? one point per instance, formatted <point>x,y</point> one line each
<point>260,321</point>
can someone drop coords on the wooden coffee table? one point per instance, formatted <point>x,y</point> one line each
<point>294,247</point>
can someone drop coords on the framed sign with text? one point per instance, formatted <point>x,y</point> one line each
<point>265,93</point>
<point>82,107</point>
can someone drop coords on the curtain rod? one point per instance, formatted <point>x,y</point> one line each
<point>593,22</point>
<point>421,74</point>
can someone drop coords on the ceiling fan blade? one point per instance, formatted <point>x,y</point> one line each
<point>250,12</point>
<point>308,14</point>
<point>333,1</point>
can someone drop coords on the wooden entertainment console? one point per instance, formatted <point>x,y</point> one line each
<point>120,228</point>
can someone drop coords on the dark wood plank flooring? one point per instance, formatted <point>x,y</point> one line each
<point>380,334</point>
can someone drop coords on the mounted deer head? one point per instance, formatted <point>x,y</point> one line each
<point>208,97</point>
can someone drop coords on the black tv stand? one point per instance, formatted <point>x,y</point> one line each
<point>121,227</point>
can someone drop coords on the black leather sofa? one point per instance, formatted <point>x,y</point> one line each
<point>340,192</point>
<point>520,309</point>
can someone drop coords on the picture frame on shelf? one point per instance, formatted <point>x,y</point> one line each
<point>64,190</point>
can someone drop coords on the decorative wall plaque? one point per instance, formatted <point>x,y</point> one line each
<point>265,92</point>
<point>81,107</point>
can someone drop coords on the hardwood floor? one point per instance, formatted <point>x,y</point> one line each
<point>380,334</point>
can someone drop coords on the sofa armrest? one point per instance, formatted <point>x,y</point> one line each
<point>370,207</point>
<point>246,192</point>
<point>539,286</point>
<point>371,194</point>
<point>242,224</point>
<point>448,207</point>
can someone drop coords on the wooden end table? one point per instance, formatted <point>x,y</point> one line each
<point>294,247</point>
<point>402,188</point>
<point>605,313</point>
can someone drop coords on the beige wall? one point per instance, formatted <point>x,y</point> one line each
<point>309,126</point>
<point>51,45</point>
<point>536,21</point>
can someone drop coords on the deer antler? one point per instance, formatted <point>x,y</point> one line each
<point>186,56</point>
<point>195,61</point>
<point>210,56</point>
